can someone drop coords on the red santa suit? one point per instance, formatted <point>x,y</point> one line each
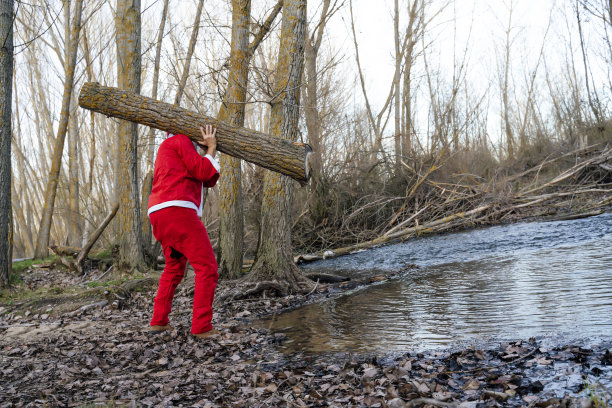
<point>175,206</point>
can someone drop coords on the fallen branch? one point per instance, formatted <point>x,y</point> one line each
<point>406,221</point>
<point>326,277</point>
<point>540,166</point>
<point>313,289</point>
<point>568,193</point>
<point>433,226</point>
<point>417,402</point>
<point>78,263</point>
<point>599,159</point>
<point>85,308</point>
<point>64,251</point>
<point>236,294</point>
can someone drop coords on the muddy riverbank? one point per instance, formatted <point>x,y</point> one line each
<point>103,356</point>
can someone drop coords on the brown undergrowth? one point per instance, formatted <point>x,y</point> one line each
<point>452,191</point>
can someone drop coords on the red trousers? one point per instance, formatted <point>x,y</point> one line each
<point>184,238</point>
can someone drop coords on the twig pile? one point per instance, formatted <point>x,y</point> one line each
<point>432,206</point>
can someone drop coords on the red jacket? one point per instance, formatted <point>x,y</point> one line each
<point>180,174</point>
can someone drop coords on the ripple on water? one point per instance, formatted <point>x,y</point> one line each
<point>504,282</point>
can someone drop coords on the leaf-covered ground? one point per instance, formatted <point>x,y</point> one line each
<point>102,355</point>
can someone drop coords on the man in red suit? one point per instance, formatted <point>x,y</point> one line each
<point>175,208</point>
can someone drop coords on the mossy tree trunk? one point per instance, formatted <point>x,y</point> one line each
<point>6,88</point>
<point>274,259</point>
<point>231,228</point>
<point>127,24</point>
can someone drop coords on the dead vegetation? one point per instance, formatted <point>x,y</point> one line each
<point>442,195</point>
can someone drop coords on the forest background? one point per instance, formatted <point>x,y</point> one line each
<point>417,110</point>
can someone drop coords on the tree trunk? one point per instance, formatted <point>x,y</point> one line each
<point>74,219</point>
<point>276,154</point>
<point>78,263</point>
<point>74,232</point>
<point>147,230</point>
<point>190,50</point>
<point>415,30</point>
<point>231,227</point>
<point>318,192</point>
<point>92,147</point>
<point>158,45</point>
<point>506,107</point>
<point>397,92</point>
<point>148,181</point>
<point>45,224</point>
<point>128,77</point>
<point>6,89</point>
<point>592,104</point>
<point>274,260</point>
<point>317,197</point>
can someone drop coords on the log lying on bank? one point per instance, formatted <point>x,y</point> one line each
<point>439,225</point>
<point>80,254</point>
<point>64,250</point>
<point>326,277</point>
<point>78,263</point>
<point>273,153</point>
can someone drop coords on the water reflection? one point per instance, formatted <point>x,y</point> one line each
<point>517,281</point>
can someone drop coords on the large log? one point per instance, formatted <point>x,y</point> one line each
<point>276,154</point>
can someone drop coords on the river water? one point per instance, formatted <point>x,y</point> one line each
<point>549,280</point>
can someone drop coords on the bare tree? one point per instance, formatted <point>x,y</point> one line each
<point>505,86</point>
<point>51,191</point>
<point>231,226</point>
<point>592,95</point>
<point>376,122</point>
<point>192,43</point>
<point>92,147</point>
<point>530,93</point>
<point>414,32</point>
<point>6,86</point>
<point>311,108</point>
<point>156,65</point>
<point>274,259</point>
<point>127,22</point>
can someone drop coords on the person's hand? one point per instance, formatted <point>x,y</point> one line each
<point>209,140</point>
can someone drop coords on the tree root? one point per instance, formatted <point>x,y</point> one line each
<point>326,277</point>
<point>252,290</point>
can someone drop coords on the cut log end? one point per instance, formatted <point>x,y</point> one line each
<point>308,158</point>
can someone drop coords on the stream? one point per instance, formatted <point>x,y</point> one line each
<point>548,280</point>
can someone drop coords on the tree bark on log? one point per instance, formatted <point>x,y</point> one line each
<point>276,154</point>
